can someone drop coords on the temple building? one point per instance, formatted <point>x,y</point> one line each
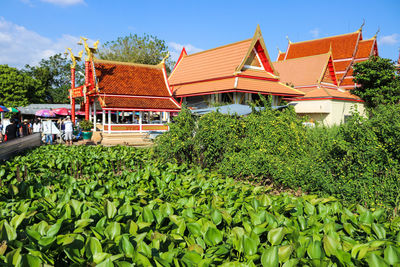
<point>230,74</point>
<point>324,101</point>
<point>347,49</point>
<point>130,97</point>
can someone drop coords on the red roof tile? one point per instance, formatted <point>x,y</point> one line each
<point>343,46</point>
<point>281,56</point>
<point>342,65</point>
<point>365,48</point>
<point>329,93</point>
<point>130,79</point>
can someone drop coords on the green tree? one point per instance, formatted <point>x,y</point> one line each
<point>380,83</point>
<point>146,49</point>
<point>54,75</point>
<point>17,88</point>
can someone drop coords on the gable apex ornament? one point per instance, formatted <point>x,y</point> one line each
<point>287,37</point>
<point>361,27</point>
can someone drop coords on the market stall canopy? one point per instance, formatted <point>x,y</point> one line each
<point>62,111</point>
<point>234,109</point>
<point>45,113</point>
<point>33,108</point>
<point>13,110</point>
<point>3,109</point>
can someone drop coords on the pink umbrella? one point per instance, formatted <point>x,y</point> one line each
<point>62,111</point>
<point>45,113</point>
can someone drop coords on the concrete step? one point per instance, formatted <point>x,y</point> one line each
<point>130,139</point>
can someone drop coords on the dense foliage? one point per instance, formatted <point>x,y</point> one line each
<point>81,206</point>
<point>54,75</point>
<point>146,49</point>
<point>18,88</point>
<point>357,161</point>
<point>380,83</point>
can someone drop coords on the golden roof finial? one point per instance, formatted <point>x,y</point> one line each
<point>330,47</point>
<point>287,37</point>
<point>362,25</point>
<point>165,58</point>
<point>376,34</point>
<point>73,58</point>
<point>279,51</point>
<point>90,51</point>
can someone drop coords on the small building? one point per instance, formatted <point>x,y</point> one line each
<point>324,101</point>
<point>231,74</point>
<point>347,49</point>
<point>131,89</point>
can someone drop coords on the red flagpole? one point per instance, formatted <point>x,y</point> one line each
<point>87,68</point>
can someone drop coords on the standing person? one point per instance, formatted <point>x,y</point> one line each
<point>48,133</point>
<point>37,126</point>
<point>1,131</point>
<point>68,127</point>
<point>11,130</point>
<point>30,127</point>
<point>25,128</point>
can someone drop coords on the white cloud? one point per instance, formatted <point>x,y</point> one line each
<point>315,32</point>
<point>175,49</point>
<point>389,39</point>
<point>21,46</point>
<point>64,2</point>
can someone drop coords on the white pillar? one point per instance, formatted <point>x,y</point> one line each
<point>90,112</point>
<point>109,121</point>
<point>168,117</point>
<point>140,120</point>
<point>104,118</point>
<point>117,116</point>
<point>123,116</point>
<point>94,116</point>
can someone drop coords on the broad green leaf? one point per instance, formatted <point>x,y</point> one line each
<point>392,255</point>
<point>126,246</point>
<point>148,215</point>
<point>53,230</point>
<point>291,263</point>
<point>216,216</point>
<point>270,257</point>
<point>376,261</point>
<point>31,261</point>
<point>284,253</point>
<point>366,217</point>
<point>106,263</point>
<point>47,241</point>
<point>191,258</point>
<point>112,230</point>
<point>111,209</point>
<point>17,219</point>
<point>249,245</point>
<point>330,245</point>
<point>315,250</point>
<point>14,257</point>
<point>93,246</point>
<point>276,235</point>
<point>194,228</point>
<point>213,236</point>
<point>379,230</point>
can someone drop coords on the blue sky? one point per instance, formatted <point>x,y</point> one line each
<point>34,29</point>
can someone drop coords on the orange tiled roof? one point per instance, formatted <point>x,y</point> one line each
<point>343,46</point>
<point>214,63</point>
<point>119,81</point>
<point>365,48</point>
<point>347,81</point>
<point>323,92</point>
<point>243,84</point>
<point>281,56</point>
<point>303,71</point>
<point>342,65</point>
<point>257,73</point>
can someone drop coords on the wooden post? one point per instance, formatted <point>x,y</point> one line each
<point>109,121</point>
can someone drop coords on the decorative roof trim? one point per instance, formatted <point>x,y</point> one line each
<point>102,61</point>
<point>239,91</point>
<point>328,37</point>
<point>257,37</point>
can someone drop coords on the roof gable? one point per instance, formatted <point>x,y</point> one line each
<point>222,62</point>
<point>306,71</point>
<point>343,46</point>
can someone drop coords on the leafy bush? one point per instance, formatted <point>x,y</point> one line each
<point>87,206</point>
<point>86,125</point>
<point>357,161</point>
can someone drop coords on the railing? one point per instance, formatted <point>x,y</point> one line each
<point>135,127</point>
<point>15,146</point>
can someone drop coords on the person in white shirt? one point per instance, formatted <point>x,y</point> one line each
<point>37,126</point>
<point>68,130</point>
